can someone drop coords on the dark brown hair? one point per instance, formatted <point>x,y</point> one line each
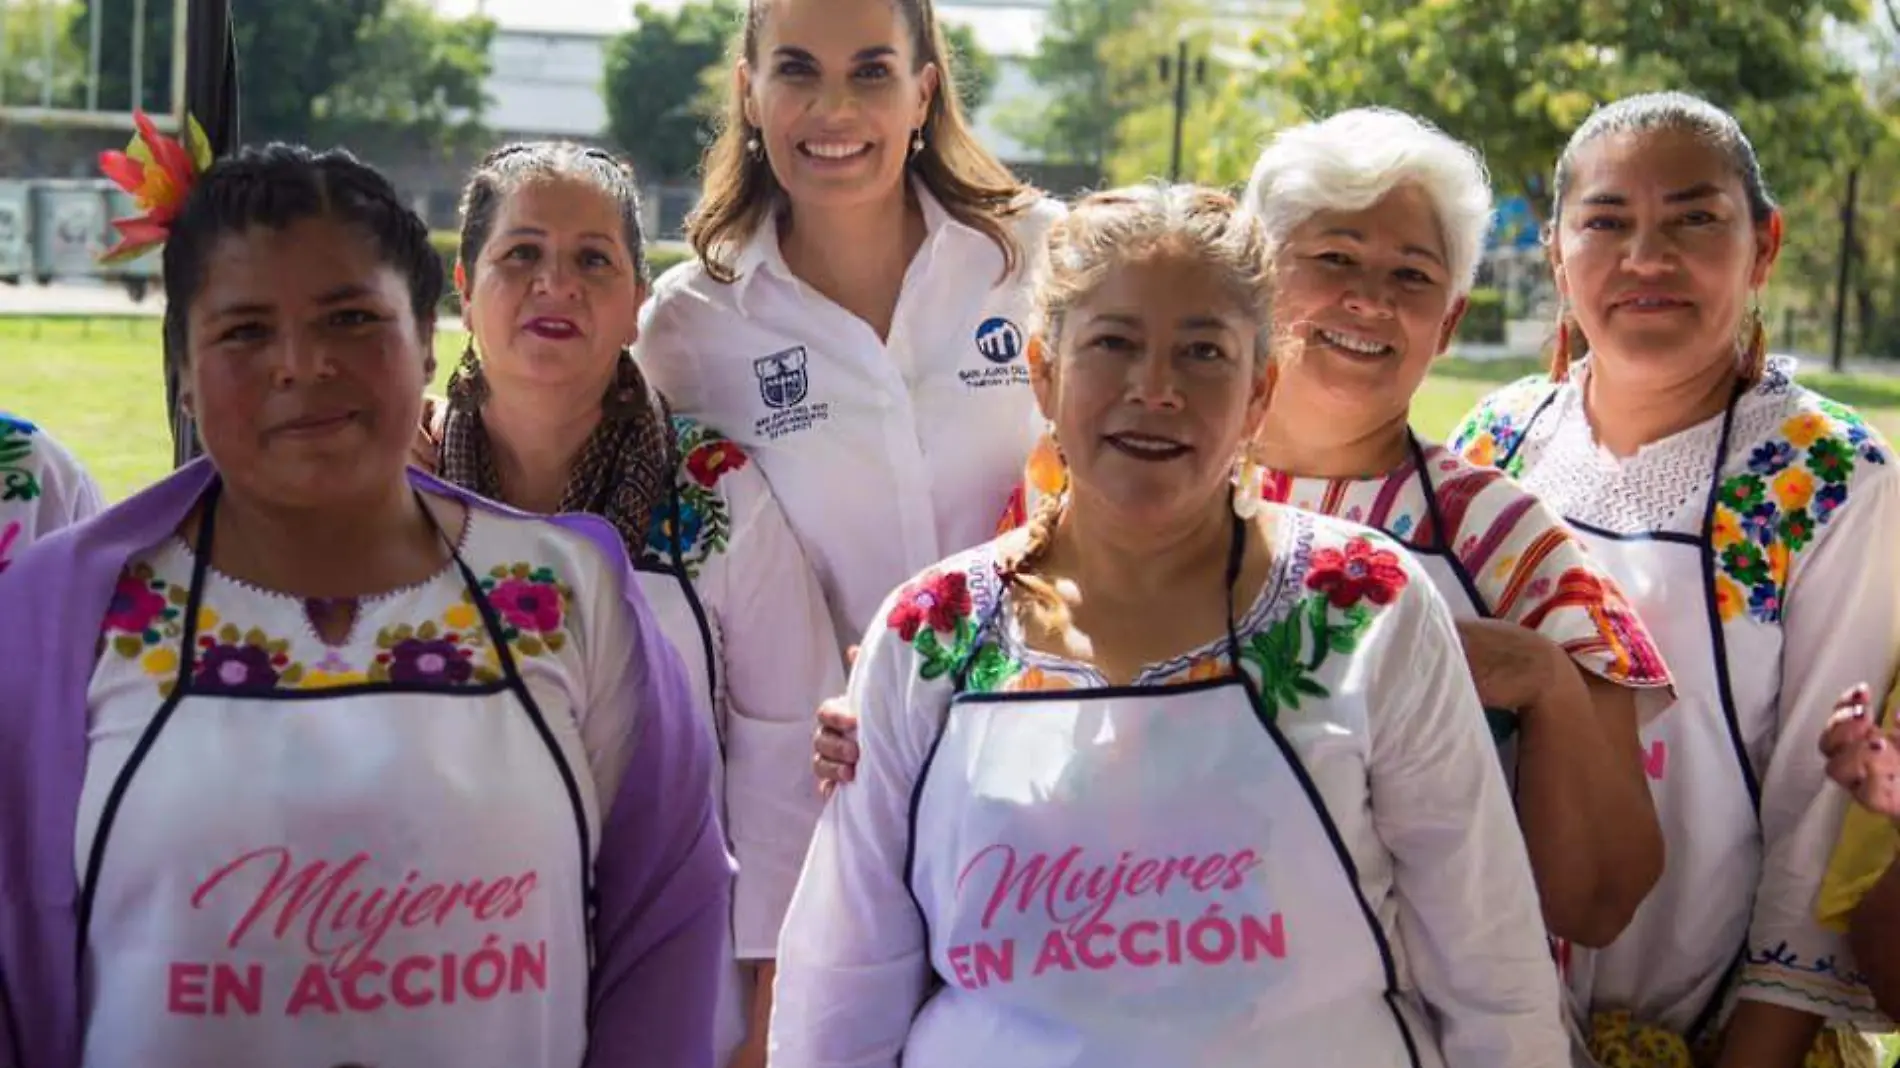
<point>740,193</point>
<point>507,169</point>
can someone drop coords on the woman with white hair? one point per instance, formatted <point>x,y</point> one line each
<point>1377,220</point>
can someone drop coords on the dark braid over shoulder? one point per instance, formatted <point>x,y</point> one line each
<point>274,186</point>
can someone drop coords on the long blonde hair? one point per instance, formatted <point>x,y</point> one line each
<point>1108,230</point>
<point>740,193</point>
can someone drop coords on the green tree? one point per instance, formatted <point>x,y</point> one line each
<point>1515,77</point>
<point>976,69</point>
<point>410,70</point>
<point>656,78</point>
<point>41,53</point>
<point>315,70</point>
<point>1088,94</point>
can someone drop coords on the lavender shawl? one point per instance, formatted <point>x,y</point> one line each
<point>663,876</point>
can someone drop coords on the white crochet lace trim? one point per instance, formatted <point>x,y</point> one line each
<point>1664,485</point>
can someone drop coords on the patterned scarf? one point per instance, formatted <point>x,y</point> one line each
<point>624,472</point>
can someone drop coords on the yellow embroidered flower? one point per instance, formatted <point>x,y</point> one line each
<point>1778,563</point>
<point>461,616</point>
<point>1730,599</point>
<point>1482,450</point>
<point>207,620</point>
<point>1794,488</point>
<point>1726,530</point>
<point>1805,429</point>
<point>161,662</point>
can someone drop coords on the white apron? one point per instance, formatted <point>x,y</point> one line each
<point>393,874</point>
<point>1673,964</point>
<point>683,617</point>
<point>1142,876</point>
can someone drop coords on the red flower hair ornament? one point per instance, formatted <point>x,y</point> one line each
<point>158,171</point>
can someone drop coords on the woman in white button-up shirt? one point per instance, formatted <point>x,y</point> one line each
<point>855,317</point>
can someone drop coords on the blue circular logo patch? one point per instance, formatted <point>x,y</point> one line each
<point>999,340</point>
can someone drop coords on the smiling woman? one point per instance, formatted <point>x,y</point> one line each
<point>855,316</point>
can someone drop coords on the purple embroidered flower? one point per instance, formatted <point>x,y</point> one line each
<point>415,660</point>
<point>1771,457</point>
<point>1759,523</point>
<point>1764,602</point>
<point>1827,499</point>
<point>235,667</point>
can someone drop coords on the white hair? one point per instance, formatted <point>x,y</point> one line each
<point>1350,161</point>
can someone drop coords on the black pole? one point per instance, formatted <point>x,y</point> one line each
<point>1839,360</point>
<point>211,97</point>
<point>1180,108</point>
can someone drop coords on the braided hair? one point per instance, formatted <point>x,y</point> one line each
<point>1114,229</point>
<point>273,187</point>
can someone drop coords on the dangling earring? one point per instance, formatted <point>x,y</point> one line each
<point>916,141</point>
<point>1753,342</point>
<point>1560,354</point>
<point>1250,484</point>
<point>468,388</point>
<point>754,147</point>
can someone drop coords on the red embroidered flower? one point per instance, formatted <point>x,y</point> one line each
<point>712,460</point>
<point>934,601</point>
<point>528,606</point>
<point>1360,572</point>
<point>134,607</point>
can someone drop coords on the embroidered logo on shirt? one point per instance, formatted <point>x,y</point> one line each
<point>999,340</point>
<point>782,380</point>
<point>784,385</point>
<point>1001,343</point>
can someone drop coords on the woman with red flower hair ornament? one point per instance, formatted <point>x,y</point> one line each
<point>549,413</point>
<point>311,758</point>
<point>1170,775</point>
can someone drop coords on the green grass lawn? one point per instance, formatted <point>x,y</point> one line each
<point>96,385</point>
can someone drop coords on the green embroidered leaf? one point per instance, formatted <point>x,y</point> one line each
<point>529,645</point>
<point>256,638</point>
<point>1309,688</point>
<point>291,675</point>
<point>428,631</point>
<point>229,634</point>
<point>177,595</point>
<point>556,641</point>
<point>128,646</point>
<point>990,669</point>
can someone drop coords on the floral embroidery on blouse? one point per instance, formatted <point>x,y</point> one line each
<point>702,521</point>
<point>936,616</point>
<point>1494,431</point>
<point>939,617</point>
<point>1330,620</point>
<point>1791,486</point>
<point>145,623</point>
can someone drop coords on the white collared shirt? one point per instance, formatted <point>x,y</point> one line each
<point>886,456</point>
